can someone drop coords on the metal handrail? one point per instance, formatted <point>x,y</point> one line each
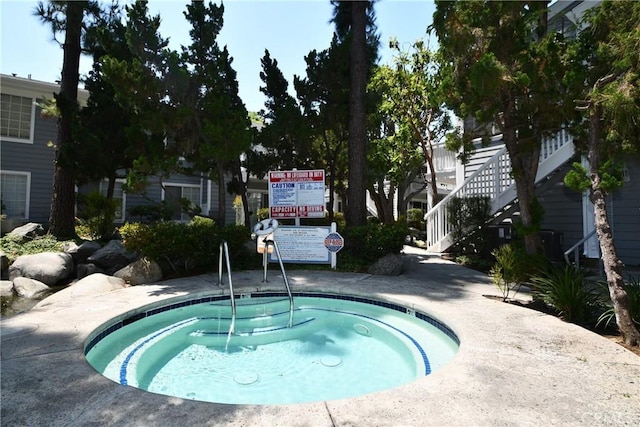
<point>224,248</point>
<point>265,254</point>
<point>575,248</point>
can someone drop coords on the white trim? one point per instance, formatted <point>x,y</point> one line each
<point>28,195</point>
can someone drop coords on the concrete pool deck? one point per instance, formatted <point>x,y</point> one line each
<point>515,366</point>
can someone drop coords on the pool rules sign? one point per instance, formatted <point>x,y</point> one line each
<point>296,194</point>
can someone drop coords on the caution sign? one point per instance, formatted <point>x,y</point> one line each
<point>296,194</point>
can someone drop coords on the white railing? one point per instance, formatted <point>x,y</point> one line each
<point>494,179</point>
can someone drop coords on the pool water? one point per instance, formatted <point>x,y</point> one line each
<point>336,348</point>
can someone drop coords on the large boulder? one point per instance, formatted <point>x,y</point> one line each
<point>140,272</point>
<point>51,268</point>
<point>84,270</point>
<point>94,284</point>
<point>6,288</point>
<point>26,232</point>
<point>388,265</point>
<point>112,257</point>
<point>82,252</point>
<point>29,288</point>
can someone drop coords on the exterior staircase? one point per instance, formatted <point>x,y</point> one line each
<point>494,179</point>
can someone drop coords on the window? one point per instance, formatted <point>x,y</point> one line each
<point>15,117</point>
<point>173,194</point>
<point>14,193</point>
<point>118,195</point>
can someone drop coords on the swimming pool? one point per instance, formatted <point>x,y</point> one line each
<point>339,346</point>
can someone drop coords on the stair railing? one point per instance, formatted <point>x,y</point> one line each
<point>493,179</point>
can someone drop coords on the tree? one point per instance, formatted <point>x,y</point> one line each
<point>351,20</point>
<point>409,88</point>
<point>505,69</point>
<point>214,129</point>
<point>65,17</point>
<point>103,146</point>
<point>324,97</point>
<point>283,140</point>
<point>185,105</point>
<point>604,71</point>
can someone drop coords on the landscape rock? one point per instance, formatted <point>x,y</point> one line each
<point>140,272</point>
<point>6,288</point>
<point>81,252</point>
<point>94,284</point>
<point>388,265</point>
<point>112,257</point>
<point>4,261</point>
<point>26,232</point>
<point>84,270</point>
<point>29,288</point>
<point>50,268</point>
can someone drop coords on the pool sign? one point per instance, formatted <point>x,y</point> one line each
<point>334,242</point>
<point>296,194</point>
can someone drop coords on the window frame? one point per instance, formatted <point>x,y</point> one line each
<point>28,190</point>
<point>30,140</point>
<point>183,216</point>
<point>102,188</point>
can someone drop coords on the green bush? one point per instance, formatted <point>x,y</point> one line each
<point>186,248</point>
<point>263,213</point>
<point>96,215</point>
<point>564,289</point>
<point>632,287</point>
<point>373,241</point>
<point>415,218</point>
<point>512,268</point>
<point>14,247</point>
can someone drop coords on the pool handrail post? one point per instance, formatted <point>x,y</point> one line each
<point>224,249</point>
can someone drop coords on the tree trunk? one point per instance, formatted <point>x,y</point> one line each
<point>62,215</point>
<point>222,195</point>
<point>242,187</point>
<point>524,164</point>
<point>356,207</point>
<point>610,260</point>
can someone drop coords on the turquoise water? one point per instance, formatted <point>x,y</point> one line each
<point>335,349</point>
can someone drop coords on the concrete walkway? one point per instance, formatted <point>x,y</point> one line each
<point>515,366</point>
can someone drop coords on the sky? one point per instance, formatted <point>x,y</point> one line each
<point>289,29</point>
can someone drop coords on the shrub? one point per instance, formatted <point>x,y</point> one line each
<point>96,214</point>
<point>185,248</point>
<point>14,247</point>
<point>415,218</point>
<point>263,213</point>
<point>374,241</point>
<point>632,287</point>
<point>467,217</point>
<point>564,290</point>
<point>508,273</point>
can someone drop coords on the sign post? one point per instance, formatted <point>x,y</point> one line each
<point>333,242</point>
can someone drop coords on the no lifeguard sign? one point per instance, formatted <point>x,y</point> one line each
<point>334,242</point>
<point>296,194</point>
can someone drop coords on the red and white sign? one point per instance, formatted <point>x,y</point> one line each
<point>296,194</point>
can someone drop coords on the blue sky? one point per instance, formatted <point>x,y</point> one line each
<point>289,29</point>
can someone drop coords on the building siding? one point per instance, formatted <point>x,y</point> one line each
<point>38,159</point>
